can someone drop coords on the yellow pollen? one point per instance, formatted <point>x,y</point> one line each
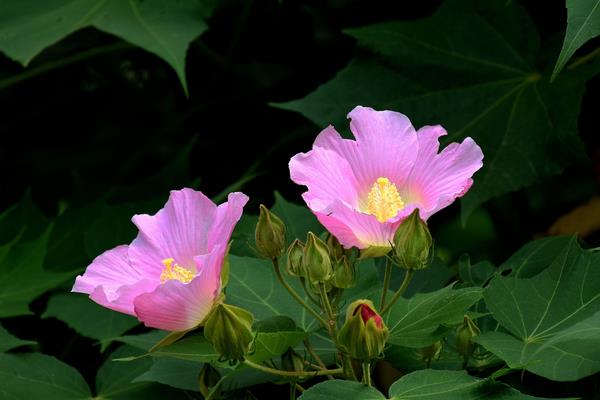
<point>174,271</point>
<point>384,201</point>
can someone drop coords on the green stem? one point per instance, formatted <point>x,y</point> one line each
<point>55,64</point>
<point>293,374</point>
<point>292,390</point>
<point>386,282</point>
<point>332,324</point>
<point>407,277</point>
<point>295,295</point>
<point>315,356</point>
<point>583,59</point>
<point>366,371</point>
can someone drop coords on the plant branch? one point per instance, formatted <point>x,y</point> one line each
<point>293,374</point>
<point>407,277</point>
<point>386,282</point>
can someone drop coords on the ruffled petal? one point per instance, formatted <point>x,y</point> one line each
<point>227,215</point>
<point>327,175</point>
<point>356,229</point>
<point>177,306</point>
<point>179,231</point>
<point>387,145</point>
<point>112,282</point>
<point>436,179</point>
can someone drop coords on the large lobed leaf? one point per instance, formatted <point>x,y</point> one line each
<point>164,28</point>
<point>469,67</point>
<point>551,319</point>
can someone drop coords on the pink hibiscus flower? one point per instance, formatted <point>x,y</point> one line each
<point>362,189</point>
<point>170,275</point>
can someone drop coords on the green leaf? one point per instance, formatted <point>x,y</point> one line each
<point>116,380</point>
<point>479,82</point>
<point>298,219</point>
<point>165,29</point>
<point>143,341</point>
<point>274,337</point>
<point>475,274</point>
<point>583,24</point>
<point>22,278</point>
<point>334,390</point>
<point>194,347</point>
<point>8,341</point>
<point>88,318</point>
<point>535,256</point>
<point>22,220</point>
<point>254,286</point>
<point>38,376</point>
<point>181,374</point>
<point>552,319</point>
<point>451,385</point>
<point>420,320</point>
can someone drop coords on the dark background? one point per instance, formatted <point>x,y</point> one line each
<point>72,134</point>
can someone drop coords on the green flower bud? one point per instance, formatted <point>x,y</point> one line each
<point>464,337</point>
<point>294,265</point>
<point>270,234</point>
<point>292,361</point>
<point>229,329</point>
<point>208,378</point>
<point>335,248</point>
<point>364,333</point>
<point>430,353</point>
<point>315,259</point>
<point>412,243</point>
<point>344,274</point>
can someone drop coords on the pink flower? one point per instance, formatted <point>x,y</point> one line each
<point>170,275</point>
<point>362,189</point>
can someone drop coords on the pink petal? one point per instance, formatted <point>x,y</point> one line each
<point>179,231</point>
<point>177,306</point>
<point>438,179</point>
<point>327,175</point>
<point>227,215</point>
<point>112,282</point>
<point>387,143</point>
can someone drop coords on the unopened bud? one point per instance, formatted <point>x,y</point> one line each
<point>412,243</point>
<point>292,361</point>
<point>364,333</point>
<point>229,329</point>
<point>315,259</point>
<point>464,337</point>
<point>270,234</point>
<point>294,265</point>
<point>209,377</point>
<point>335,248</point>
<point>344,274</point>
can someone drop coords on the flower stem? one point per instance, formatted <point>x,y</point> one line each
<point>407,277</point>
<point>332,323</point>
<point>386,282</point>
<point>293,374</point>
<point>295,295</point>
<point>366,372</point>
<point>315,356</point>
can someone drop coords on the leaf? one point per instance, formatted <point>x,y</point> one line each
<point>583,24</point>
<point>253,286</point>
<point>22,220</point>
<point>194,347</point>
<point>552,319</point>
<point>298,219</point>
<point>38,376</point>
<point>451,385</point>
<point>475,274</point>
<point>347,390</point>
<point>144,341</point>
<point>419,321</point>
<point>88,318</point>
<point>181,374</point>
<point>274,337</point>
<point>480,82</point>
<point>9,342</point>
<point>28,27</point>
<point>22,278</point>
<point>116,379</point>
<point>535,256</point>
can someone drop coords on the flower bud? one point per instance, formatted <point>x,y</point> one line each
<point>364,333</point>
<point>412,242</point>
<point>430,353</point>
<point>292,361</point>
<point>294,264</point>
<point>344,274</point>
<point>208,378</point>
<point>464,337</point>
<point>229,329</point>
<point>335,248</point>
<point>270,234</point>
<point>315,259</point>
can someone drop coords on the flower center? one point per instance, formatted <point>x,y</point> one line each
<point>174,271</point>
<point>384,201</point>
